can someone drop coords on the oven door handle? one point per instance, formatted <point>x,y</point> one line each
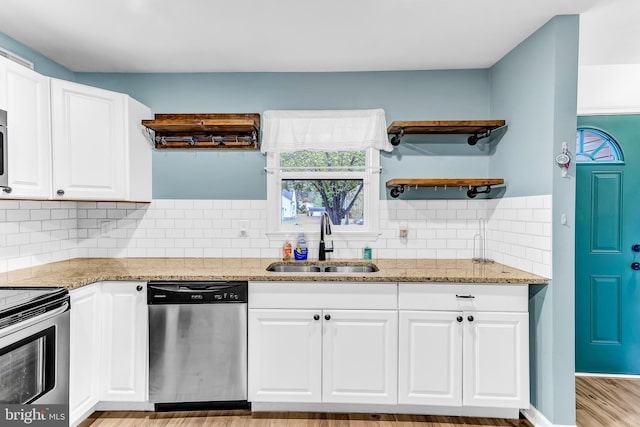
<point>34,320</point>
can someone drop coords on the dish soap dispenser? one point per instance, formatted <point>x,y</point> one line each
<point>286,251</point>
<point>300,252</point>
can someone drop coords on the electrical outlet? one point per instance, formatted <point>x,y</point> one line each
<point>244,228</point>
<point>106,227</point>
<point>404,232</point>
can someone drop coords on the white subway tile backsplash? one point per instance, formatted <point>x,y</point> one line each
<point>518,230</point>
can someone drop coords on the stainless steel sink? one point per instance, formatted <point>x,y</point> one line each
<point>295,268</point>
<point>350,268</point>
<point>322,268</point>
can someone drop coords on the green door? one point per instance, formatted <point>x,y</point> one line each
<point>607,227</point>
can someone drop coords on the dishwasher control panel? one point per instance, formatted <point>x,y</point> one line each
<point>196,292</point>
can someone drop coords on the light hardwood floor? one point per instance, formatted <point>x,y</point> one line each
<point>279,419</point>
<point>607,402</point>
<point>600,402</point>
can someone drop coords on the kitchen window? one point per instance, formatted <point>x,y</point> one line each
<point>302,185</point>
<point>324,161</point>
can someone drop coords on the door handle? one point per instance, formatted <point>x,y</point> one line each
<point>635,266</point>
<point>635,248</point>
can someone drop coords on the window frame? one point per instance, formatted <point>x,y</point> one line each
<point>371,192</point>
<point>607,140</point>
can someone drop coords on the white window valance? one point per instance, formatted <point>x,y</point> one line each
<point>324,130</point>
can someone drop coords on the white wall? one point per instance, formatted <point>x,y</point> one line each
<point>609,89</point>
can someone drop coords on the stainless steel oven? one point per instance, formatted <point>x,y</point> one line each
<point>34,345</point>
<point>4,161</point>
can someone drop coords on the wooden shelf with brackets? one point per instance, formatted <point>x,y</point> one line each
<point>477,129</point>
<point>474,186</point>
<point>217,131</point>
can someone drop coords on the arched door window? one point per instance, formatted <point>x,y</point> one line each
<point>594,145</point>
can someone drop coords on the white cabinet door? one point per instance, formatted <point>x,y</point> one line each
<point>496,359</point>
<point>89,142</point>
<point>26,96</point>
<point>360,356</point>
<point>84,372</point>
<point>124,342</point>
<point>285,350</point>
<point>430,358</point>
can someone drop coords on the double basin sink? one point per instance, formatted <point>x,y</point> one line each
<point>322,268</point>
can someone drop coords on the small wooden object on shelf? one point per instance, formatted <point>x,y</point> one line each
<point>398,185</point>
<point>477,129</point>
<point>237,131</point>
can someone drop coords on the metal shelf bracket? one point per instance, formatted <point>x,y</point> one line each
<point>472,192</point>
<point>473,139</point>
<point>395,140</point>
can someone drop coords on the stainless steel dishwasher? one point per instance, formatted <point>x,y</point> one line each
<point>197,345</point>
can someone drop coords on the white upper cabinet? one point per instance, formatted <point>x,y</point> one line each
<point>24,94</point>
<point>99,149</point>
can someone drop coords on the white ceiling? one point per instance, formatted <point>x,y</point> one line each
<point>610,34</point>
<point>277,35</point>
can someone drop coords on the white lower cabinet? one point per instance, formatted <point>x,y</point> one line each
<point>339,356</point>
<point>285,356</point>
<point>108,348</point>
<point>496,360</point>
<point>340,347</point>
<point>359,357</point>
<point>430,358</point>
<point>84,354</point>
<point>124,342</point>
<point>454,350</point>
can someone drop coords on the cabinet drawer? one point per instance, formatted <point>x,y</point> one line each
<point>461,297</point>
<point>323,295</point>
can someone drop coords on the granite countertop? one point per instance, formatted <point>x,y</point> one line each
<point>83,271</point>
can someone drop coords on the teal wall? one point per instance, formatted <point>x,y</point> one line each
<point>534,88</point>
<point>41,63</point>
<point>411,95</point>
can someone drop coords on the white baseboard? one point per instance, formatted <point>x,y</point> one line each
<point>456,411</point>
<point>538,419</point>
<point>591,374</point>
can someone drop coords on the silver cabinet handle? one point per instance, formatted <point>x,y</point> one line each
<point>32,321</point>
<point>60,192</point>
<point>7,190</point>
<point>465,296</point>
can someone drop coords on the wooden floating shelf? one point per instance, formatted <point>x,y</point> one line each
<point>398,185</point>
<point>478,129</point>
<point>238,131</point>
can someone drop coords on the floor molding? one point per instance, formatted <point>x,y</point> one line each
<point>538,419</point>
<point>591,374</point>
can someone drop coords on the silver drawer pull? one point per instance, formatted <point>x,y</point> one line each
<point>465,296</point>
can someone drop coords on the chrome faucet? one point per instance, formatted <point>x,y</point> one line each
<point>325,228</point>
